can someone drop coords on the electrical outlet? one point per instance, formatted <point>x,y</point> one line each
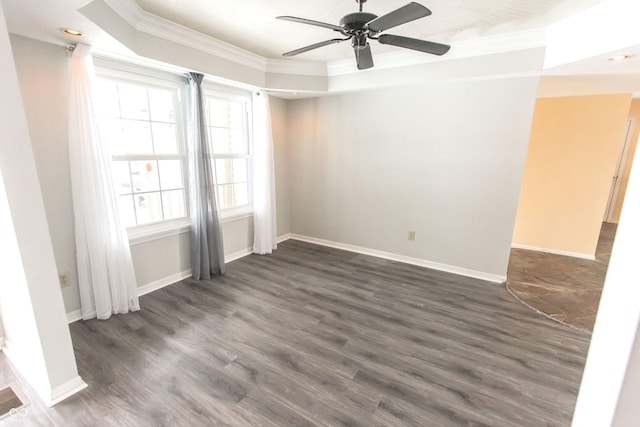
<point>412,235</point>
<point>64,279</point>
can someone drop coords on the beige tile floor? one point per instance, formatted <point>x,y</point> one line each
<point>565,289</point>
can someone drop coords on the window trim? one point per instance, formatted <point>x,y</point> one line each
<point>149,76</point>
<point>158,230</point>
<point>243,96</point>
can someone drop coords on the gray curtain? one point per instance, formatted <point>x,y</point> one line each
<point>207,254</point>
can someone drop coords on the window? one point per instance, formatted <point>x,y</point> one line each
<point>142,124</point>
<point>227,120</point>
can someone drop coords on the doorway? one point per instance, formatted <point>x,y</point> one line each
<point>614,195</point>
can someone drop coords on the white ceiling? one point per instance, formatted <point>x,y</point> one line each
<point>44,19</point>
<point>251,25</point>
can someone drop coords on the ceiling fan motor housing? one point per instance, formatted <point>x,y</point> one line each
<point>357,21</point>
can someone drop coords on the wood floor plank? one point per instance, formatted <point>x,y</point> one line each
<point>317,336</point>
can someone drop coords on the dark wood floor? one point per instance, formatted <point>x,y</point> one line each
<point>318,336</point>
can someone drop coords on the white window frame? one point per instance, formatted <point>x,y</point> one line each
<point>244,97</point>
<point>125,72</point>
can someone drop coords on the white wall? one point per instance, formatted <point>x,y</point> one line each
<point>444,160</point>
<point>612,370</point>
<point>627,413</point>
<point>609,26</point>
<point>16,310</point>
<point>37,336</point>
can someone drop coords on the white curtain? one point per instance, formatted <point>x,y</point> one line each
<point>264,187</point>
<point>105,270</point>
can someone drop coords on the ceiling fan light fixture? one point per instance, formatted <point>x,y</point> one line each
<point>359,41</point>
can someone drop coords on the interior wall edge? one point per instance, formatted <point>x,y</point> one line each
<point>23,367</point>
<point>66,390</point>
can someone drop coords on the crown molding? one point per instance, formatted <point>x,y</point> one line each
<point>146,22</point>
<point>128,10</point>
<point>487,45</point>
<point>292,66</point>
<point>149,23</point>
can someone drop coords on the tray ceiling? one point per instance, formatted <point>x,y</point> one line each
<point>251,24</point>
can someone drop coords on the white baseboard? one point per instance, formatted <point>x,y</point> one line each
<point>74,316</point>
<point>495,278</point>
<point>66,390</point>
<point>554,251</point>
<point>284,237</point>
<point>48,395</point>
<point>248,251</point>
<point>165,281</point>
<point>237,255</point>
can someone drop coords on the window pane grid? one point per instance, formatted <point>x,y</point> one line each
<point>229,141</point>
<point>146,136</point>
<point>143,130</point>
<point>148,131</point>
<point>162,193</point>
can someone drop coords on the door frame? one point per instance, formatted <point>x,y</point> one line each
<point>619,171</point>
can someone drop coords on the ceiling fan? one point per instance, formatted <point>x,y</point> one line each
<point>361,26</point>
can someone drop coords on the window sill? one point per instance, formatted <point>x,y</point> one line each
<point>235,216</point>
<point>161,230</point>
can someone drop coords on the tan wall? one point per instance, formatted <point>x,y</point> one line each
<point>571,157</point>
<point>634,113</point>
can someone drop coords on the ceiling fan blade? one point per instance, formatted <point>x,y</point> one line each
<point>364,59</point>
<point>415,44</point>
<point>407,13</point>
<point>313,46</point>
<point>311,22</point>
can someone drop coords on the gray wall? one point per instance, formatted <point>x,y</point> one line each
<point>444,160</point>
<point>42,71</point>
<point>280,124</point>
